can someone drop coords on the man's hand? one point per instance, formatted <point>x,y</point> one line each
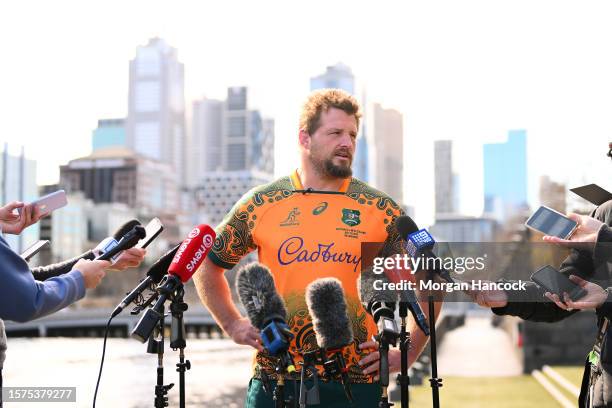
<point>489,298</point>
<point>370,363</point>
<point>14,223</point>
<point>92,271</point>
<point>242,332</point>
<point>130,258</point>
<point>585,235</point>
<point>594,298</point>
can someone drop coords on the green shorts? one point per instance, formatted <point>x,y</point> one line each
<point>331,395</point>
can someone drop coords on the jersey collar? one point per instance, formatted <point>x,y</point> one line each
<point>297,183</point>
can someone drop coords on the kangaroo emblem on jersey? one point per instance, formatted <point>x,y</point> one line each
<point>291,218</point>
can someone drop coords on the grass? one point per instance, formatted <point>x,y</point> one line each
<point>503,392</point>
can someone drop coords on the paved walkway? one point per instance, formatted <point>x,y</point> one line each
<point>478,349</point>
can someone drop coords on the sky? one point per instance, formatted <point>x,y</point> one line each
<point>467,71</point>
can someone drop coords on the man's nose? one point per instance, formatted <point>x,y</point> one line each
<point>346,140</point>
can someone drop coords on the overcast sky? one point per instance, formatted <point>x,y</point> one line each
<point>462,70</point>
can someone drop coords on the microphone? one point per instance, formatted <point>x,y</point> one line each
<point>333,330</point>
<point>42,273</point>
<point>186,261</point>
<point>266,310</point>
<point>378,303</point>
<point>127,241</point>
<point>154,275</point>
<point>420,242</point>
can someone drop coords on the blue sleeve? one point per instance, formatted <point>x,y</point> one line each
<point>22,298</point>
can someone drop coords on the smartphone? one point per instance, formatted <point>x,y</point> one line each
<point>50,202</point>
<point>550,222</point>
<point>33,249</point>
<point>555,282</point>
<point>153,229</point>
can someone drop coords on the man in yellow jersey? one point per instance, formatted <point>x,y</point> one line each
<point>306,226</point>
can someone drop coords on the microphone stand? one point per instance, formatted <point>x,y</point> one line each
<point>279,391</point>
<point>309,365</point>
<point>403,380</point>
<point>156,346</point>
<point>434,381</point>
<point>385,339</point>
<point>178,339</point>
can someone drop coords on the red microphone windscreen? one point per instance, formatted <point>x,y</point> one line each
<point>192,252</point>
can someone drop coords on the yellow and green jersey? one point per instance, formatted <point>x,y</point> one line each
<point>303,236</point>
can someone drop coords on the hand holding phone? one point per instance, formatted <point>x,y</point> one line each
<point>551,222</point>
<point>557,283</point>
<point>585,235</point>
<point>15,223</point>
<point>594,298</point>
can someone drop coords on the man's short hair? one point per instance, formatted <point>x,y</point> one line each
<point>322,100</point>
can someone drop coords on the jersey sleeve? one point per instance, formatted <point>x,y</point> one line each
<point>394,240</point>
<point>235,234</point>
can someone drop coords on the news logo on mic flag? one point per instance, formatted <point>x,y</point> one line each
<point>419,240</point>
<point>194,249</point>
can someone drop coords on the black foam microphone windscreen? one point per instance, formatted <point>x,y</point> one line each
<point>125,228</point>
<point>255,286</point>
<point>405,226</point>
<point>327,307</point>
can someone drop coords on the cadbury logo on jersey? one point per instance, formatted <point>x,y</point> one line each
<point>292,250</point>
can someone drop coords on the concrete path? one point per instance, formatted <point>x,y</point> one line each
<point>478,349</point>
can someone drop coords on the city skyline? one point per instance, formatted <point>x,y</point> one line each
<point>452,73</point>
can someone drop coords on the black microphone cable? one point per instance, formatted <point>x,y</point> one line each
<point>102,359</point>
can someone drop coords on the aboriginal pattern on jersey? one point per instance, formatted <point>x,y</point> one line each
<point>234,239</point>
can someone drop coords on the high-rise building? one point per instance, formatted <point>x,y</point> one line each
<point>340,76</point>
<point>461,228</point>
<point>18,183</point>
<point>156,105</point>
<point>117,175</point>
<point>235,145</point>
<point>109,133</point>
<point>552,194</point>
<point>335,76</point>
<point>386,169</point>
<point>505,175</point>
<point>444,177</point>
<point>245,144</point>
<point>206,135</point>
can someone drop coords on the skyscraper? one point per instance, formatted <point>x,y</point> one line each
<point>18,183</point>
<point>335,76</point>
<point>206,134</point>
<point>387,157</point>
<point>233,147</point>
<point>109,133</point>
<point>340,76</point>
<point>156,111</point>
<point>505,174</point>
<point>552,194</point>
<point>444,178</point>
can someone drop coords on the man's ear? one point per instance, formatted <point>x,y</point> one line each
<point>304,138</point>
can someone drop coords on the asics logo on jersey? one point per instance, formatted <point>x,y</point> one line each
<point>320,208</point>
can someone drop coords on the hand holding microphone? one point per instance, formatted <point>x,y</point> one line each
<point>92,271</point>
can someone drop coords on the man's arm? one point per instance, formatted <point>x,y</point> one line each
<point>215,294</point>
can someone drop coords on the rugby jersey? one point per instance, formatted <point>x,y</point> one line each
<point>301,236</point>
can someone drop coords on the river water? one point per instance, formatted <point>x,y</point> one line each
<point>219,375</point>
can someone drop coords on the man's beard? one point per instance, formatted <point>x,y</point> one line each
<point>327,168</point>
